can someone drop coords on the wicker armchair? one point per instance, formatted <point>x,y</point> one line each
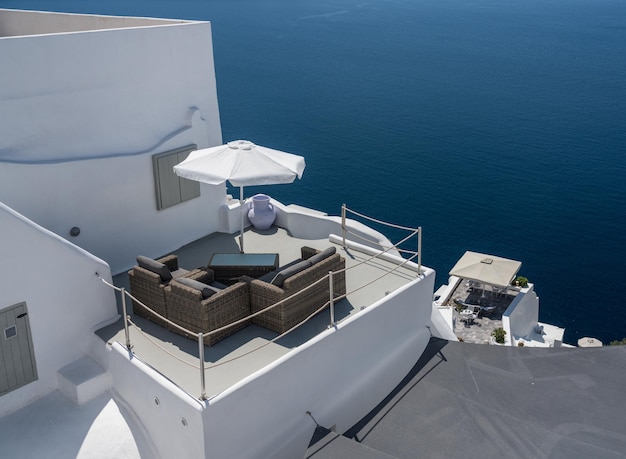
<point>293,311</point>
<point>149,288</point>
<point>187,308</point>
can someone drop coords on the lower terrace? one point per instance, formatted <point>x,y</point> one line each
<point>477,309</point>
<point>491,301</point>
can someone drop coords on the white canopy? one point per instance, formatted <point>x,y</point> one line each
<point>486,268</point>
<point>242,163</point>
<point>589,342</point>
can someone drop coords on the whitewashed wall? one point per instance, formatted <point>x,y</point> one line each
<point>65,299</point>
<point>522,316</point>
<point>82,114</point>
<point>339,376</point>
<point>173,425</point>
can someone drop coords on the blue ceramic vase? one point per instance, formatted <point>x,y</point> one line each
<point>261,214</point>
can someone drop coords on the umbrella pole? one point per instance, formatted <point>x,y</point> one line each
<point>241,208</point>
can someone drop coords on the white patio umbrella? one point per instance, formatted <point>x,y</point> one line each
<point>242,163</point>
<point>486,268</point>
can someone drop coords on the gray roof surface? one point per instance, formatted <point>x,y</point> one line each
<point>470,400</point>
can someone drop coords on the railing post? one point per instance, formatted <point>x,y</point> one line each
<point>125,313</point>
<point>242,212</point>
<point>201,355</point>
<point>343,224</point>
<point>332,298</point>
<point>419,250</point>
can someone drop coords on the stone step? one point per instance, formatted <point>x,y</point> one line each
<point>83,380</point>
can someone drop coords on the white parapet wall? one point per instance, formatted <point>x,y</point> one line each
<point>522,315</point>
<point>443,316</point>
<point>170,421</point>
<point>302,222</point>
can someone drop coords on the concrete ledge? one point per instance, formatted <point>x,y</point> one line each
<point>230,217</point>
<point>306,210</point>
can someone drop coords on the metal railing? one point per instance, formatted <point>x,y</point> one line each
<point>330,303</point>
<point>202,336</point>
<point>412,232</point>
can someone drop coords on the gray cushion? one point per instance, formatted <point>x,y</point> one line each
<point>155,267</point>
<point>206,290</point>
<point>330,251</point>
<point>179,272</point>
<point>268,277</point>
<point>218,285</point>
<point>286,273</point>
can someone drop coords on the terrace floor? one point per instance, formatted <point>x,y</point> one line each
<point>252,348</point>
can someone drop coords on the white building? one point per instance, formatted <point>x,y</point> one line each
<point>86,103</point>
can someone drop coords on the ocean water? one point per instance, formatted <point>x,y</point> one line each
<point>496,125</point>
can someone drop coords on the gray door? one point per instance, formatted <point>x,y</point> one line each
<point>17,357</point>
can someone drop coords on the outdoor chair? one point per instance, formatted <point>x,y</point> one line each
<point>468,316</point>
<point>469,312</point>
<point>291,279</point>
<point>147,283</point>
<point>200,305</point>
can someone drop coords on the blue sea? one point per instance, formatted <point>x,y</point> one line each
<point>499,126</point>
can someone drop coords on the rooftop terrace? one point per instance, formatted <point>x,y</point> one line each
<point>250,349</point>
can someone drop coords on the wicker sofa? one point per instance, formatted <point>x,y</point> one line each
<point>148,280</point>
<point>199,306</point>
<point>292,278</point>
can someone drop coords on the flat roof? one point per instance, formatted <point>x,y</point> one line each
<point>16,23</point>
<point>474,401</point>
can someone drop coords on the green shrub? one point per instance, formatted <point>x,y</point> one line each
<point>618,342</point>
<point>498,335</point>
<point>521,281</point>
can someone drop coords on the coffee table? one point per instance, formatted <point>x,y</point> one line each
<point>228,267</point>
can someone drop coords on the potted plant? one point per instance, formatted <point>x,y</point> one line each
<point>498,335</point>
<point>520,281</point>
